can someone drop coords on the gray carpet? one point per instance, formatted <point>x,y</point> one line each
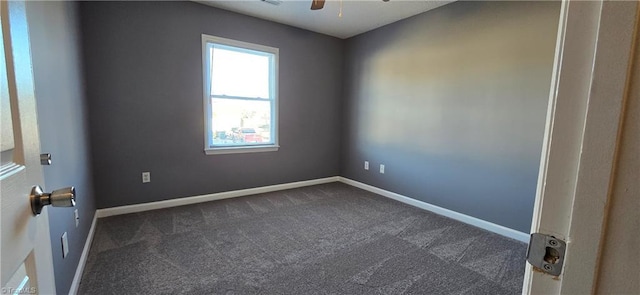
<point>324,239</point>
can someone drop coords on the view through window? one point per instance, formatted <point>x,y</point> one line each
<point>240,80</point>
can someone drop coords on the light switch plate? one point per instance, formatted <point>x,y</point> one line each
<point>65,245</point>
<point>76,216</point>
<point>382,168</point>
<point>366,165</point>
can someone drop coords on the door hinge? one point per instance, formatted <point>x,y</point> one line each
<point>546,253</point>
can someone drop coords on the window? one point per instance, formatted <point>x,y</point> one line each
<point>240,96</point>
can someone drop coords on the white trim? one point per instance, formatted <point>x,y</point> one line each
<point>209,197</point>
<point>75,284</point>
<point>252,47</point>
<point>206,90</point>
<point>241,149</point>
<point>498,229</point>
<point>579,152</point>
<point>274,54</point>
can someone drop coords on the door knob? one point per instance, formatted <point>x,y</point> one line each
<point>64,197</point>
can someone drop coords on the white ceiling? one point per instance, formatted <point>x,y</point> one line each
<point>358,16</point>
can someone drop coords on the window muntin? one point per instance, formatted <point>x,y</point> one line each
<point>240,96</point>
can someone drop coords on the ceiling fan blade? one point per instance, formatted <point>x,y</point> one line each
<point>317,4</point>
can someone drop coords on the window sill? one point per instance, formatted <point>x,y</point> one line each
<point>241,149</point>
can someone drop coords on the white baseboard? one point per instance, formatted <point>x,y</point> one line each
<point>209,197</point>
<point>499,229</point>
<point>75,284</point>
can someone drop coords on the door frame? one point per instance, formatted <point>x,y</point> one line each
<point>586,102</point>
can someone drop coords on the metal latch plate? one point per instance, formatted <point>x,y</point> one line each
<point>546,253</point>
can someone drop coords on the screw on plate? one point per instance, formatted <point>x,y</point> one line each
<point>553,243</point>
<point>547,267</point>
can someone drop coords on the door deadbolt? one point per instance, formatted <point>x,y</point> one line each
<point>64,197</point>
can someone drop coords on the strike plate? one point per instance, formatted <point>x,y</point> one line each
<point>546,253</point>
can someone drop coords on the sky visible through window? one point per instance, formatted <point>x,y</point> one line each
<point>239,74</point>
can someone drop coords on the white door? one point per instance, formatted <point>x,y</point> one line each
<point>25,246</point>
<point>589,86</point>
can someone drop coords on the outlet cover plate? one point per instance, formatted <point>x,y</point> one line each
<point>146,177</point>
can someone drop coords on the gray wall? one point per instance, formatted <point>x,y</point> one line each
<point>453,102</point>
<point>57,67</point>
<point>144,79</point>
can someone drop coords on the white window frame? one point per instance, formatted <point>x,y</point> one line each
<point>209,149</point>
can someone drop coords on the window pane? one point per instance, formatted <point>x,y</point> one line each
<point>236,73</point>
<point>240,122</point>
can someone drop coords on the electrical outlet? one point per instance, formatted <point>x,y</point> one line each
<point>382,168</point>
<point>77,217</point>
<point>65,245</point>
<point>366,165</point>
<point>146,177</point>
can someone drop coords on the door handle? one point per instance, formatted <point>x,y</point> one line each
<point>64,197</point>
